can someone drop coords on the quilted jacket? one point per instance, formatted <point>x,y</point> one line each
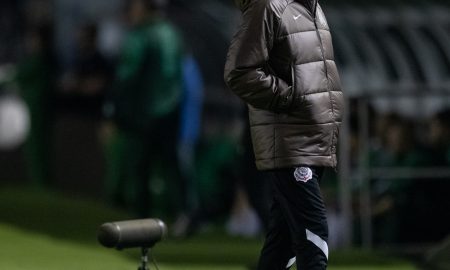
<point>281,63</point>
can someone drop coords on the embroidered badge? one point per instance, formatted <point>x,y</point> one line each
<point>303,174</point>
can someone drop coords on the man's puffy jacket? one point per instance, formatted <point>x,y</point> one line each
<point>281,62</point>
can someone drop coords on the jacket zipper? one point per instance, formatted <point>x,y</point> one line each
<point>333,147</point>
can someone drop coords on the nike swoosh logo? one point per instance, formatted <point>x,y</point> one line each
<point>296,17</point>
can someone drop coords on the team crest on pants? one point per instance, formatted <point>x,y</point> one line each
<point>303,174</point>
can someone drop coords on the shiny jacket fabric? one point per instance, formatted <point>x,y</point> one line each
<point>281,63</point>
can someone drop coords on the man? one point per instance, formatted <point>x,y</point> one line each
<point>146,100</point>
<point>35,78</point>
<point>281,63</point>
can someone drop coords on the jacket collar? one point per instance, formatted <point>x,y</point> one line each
<point>243,4</point>
<point>310,4</point>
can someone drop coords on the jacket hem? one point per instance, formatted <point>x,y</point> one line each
<point>292,162</point>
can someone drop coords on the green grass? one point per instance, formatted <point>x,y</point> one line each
<point>46,230</point>
<point>24,250</point>
<point>54,214</point>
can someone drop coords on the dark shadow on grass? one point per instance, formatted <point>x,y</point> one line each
<point>54,214</point>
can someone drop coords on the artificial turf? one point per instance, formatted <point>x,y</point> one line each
<point>46,230</point>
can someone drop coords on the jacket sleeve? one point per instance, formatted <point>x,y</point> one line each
<point>247,72</point>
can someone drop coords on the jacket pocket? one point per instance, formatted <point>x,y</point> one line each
<point>293,80</point>
<point>297,96</point>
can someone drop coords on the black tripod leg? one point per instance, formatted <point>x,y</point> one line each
<point>144,260</point>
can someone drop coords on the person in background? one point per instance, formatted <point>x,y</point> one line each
<point>398,202</point>
<point>86,83</point>
<point>145,105</point>
<point>35,78</point>
<point>439,138</point>
<point>427,195</point>
<point>190,126</point>
<point>250,215</point>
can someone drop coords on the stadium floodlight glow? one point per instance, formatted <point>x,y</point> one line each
<point>139,233</point>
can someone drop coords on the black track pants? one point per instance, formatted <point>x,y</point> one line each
<point>297,226</point>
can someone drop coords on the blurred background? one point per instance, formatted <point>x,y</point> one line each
<point>117,109</point>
